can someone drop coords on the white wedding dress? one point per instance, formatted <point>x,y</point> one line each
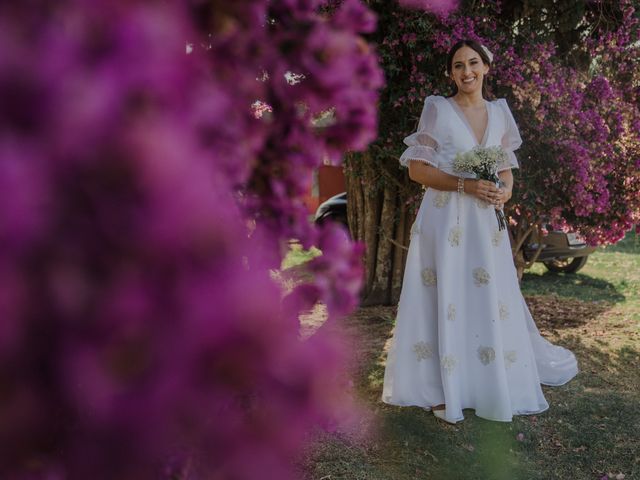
<point>464,336</point>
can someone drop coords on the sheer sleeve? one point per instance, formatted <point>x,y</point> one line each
<point>423,145</point>
<point>511,139</point>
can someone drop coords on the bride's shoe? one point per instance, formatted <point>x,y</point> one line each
<point>441,415</point>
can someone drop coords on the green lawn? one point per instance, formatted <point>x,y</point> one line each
<point>591,428</point>
<point>298,256</point>
<point>611,276</point>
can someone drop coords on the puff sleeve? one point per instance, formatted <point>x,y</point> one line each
<point>511,139</point>
<point>424,144</point>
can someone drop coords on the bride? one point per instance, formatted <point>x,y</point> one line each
<point>464,336</point>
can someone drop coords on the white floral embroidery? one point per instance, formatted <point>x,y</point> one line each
<point>454,236</point>
<point>504,311</point>
<point>429,277</point>
<point>441,199</point>
<point>423,350</point>
<point>448,363</point>
<point>415,229</point>
<point>510,357</point>
<point>486,354</point>
<point>481,276</point>
<point>482,204</point>
<point>451,312</point>
<point>496,238</point>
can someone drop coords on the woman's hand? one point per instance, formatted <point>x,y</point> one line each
<point>485,190</point>
<point>504,195</point>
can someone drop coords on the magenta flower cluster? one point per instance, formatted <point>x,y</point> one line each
<point>580,131</point>
<point>143,208</point>
<point>438,7</point>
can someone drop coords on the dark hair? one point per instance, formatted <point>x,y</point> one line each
<point>479,50</point>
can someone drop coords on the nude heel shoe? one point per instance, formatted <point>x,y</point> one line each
<point>441,415</point>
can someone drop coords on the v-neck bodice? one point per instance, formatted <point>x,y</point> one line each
<point>444,131</point>
<point>465,121</point>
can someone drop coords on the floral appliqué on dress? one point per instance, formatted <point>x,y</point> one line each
<point>504,311</point>
<point>454,236</point>
<point>486,354</point>
<point>415,229</point>
<point>496,238</point>
<point>441,199</point>
<point>429,277</point>
<point>448,363</point>
<point>423,350</point>
<point>451,312</point>
<point>510,357</point>
<point>481,276</point>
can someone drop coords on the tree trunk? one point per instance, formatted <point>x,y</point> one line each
<point>399,254</point>
<point>355,204</point>
<point>378,216</point>
<point>380,291</point>
<point>520,235</point>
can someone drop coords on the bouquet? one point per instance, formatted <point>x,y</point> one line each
<point>483,162</point>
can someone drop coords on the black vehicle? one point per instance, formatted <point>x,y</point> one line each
<point>335,209</point>
<point>561,252</point>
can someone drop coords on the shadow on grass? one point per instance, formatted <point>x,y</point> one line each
<point>590,429</point>
<point>577,286</point>
<point>552,313</point>
<point>615,262</point>
<point>416,445</point>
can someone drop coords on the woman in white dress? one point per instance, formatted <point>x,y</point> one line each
<point>464,337</point>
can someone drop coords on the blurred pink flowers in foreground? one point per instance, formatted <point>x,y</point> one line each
<point>141,334</point>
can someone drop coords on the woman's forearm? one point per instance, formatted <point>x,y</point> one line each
<point>432,177</point>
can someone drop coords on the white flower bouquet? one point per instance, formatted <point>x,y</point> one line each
<point>483,163</point>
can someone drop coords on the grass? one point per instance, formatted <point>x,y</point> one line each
<point>590,430</point>
<point>298,256</point>
<point>610,274</point>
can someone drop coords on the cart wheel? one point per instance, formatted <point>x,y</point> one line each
<point>566,265</point>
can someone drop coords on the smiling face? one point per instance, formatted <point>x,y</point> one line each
<point>468,70</point>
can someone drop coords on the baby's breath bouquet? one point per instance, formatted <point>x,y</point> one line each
<point>483,162</point>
